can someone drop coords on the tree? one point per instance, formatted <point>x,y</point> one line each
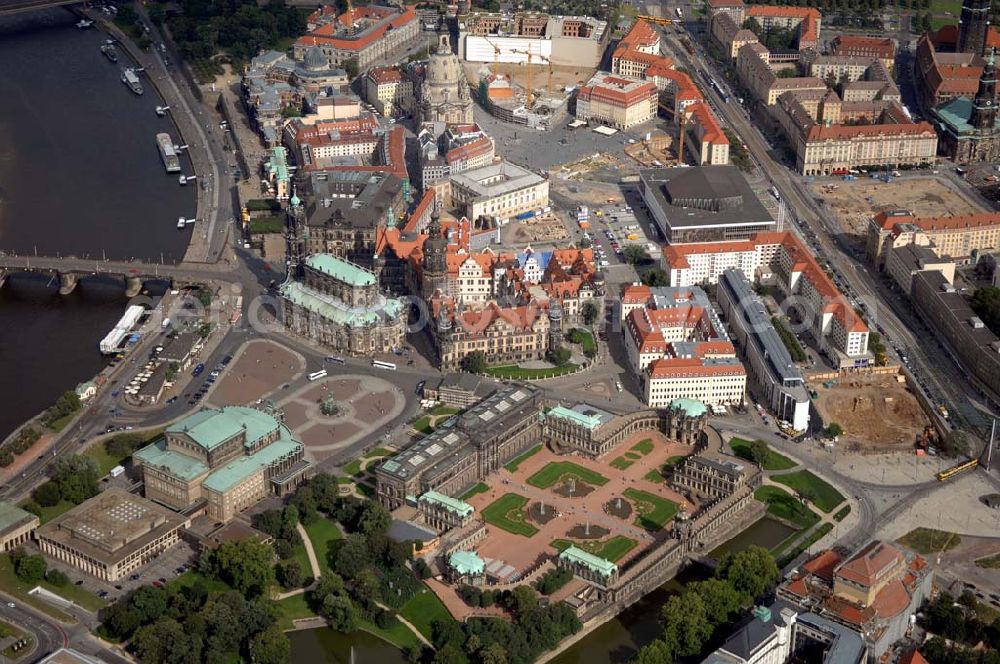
<point>720,599</point>
<point>833,430</point>
<point>289,574</point>
<point>246,565</point>
<point>30,569</point>
<point>475,362</point>
<point>375,519</point>
<point>339,610</point>
<point>590,312</point>
<point>56,578</point>
<point>759,452</point>
<point>351,67</point>
<point>422,569</point>
<point>450,654</point>
<point>78,478</point>
<point>149,603</point>
<point>635,254</point>
<point>270,646</point>
<point>494,653</point>
<point>350,556</point>
<point>750,572</point>
<point>47,494</point>
<point>559,356</point>
<point>655,278</point>
<point>523,599</point>
<point>657,652</point>
<point>686,624</point>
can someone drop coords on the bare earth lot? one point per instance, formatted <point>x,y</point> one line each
<point>854,202</point>
<point>875,411</point>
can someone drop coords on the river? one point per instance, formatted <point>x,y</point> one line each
<point>80,174</point>
<point>614,641</point>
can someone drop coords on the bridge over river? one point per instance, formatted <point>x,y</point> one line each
<point>18,6</point>
<point>71,270</point>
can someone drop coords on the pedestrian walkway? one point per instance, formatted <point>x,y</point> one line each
<point>310,552</point>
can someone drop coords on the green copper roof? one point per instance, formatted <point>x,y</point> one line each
<point>455,505</point>
<point>278,164</point>
<point>178,465</point>
<point>587,421</point>
<point>341,270</point>
<point>956,114</point>
<point>466,562</point>
<point>603,567</point>
<point>239,469</point>
<point>12,516</point>
<point>692,407</point>
<point>211,428</point>
<point>337,310</point>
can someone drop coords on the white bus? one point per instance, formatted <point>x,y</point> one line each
<point>378,364</point>
<point>316,375</point>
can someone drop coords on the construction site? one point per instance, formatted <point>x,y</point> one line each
<point>534,95</point>
<point>878,412</point>
<point>854,202</point>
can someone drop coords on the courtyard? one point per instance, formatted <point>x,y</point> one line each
<point>545,503</point>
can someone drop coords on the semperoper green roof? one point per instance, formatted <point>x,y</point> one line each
<point>211,428</point>
<point>692,407</point>
<point>466,562</point>
<point>341,270</point>
<point>587,421</point>
<point>12,516</point>
<point>237,470</point>
<point>603,567</point>
<point>331,308</point>
<point>454,505</point>
<point>178,465</point>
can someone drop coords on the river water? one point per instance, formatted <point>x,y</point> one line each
<point>614,641</point>
<point>80,174</point>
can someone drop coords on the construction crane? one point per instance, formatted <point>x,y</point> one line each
<point>548,82</point>
<point>530,101</point>
<point>496,56</point>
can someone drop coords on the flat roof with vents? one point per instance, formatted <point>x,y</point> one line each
<point>111,526</point>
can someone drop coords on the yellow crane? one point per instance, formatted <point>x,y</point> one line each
<point>548,82</point>
<point>530,101</point>
<point>496,55</point>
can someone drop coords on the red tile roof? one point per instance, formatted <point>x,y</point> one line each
<point>891,600</point>
<point>385,74</point>
<point>704,116</point>
<point>678,367</point>
<point>640,34</point>
<point>871,564</point>
<point>823,564</point>
<point>324,35</point>
<point>913,657</point>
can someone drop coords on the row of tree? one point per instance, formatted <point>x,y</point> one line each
<point>691,619</point>
<point>24,439</point>
<point>33,568</point>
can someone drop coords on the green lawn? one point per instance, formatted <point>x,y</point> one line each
<point>321,532</point>
<point>654,512</point>
<point>516,462</point>
<point>60,424</point>
<point>8,630</point>
<point>557,471</point>
<point>929,541</point>
<point>507,513</point>
<point>445,410</point>
<point>989,562</point>
<point>423,609</point>
<point>514,372</point>
<point>191,578</point>
<point>822,494</point>
<point>19,589</point>
<point>586,340</point>
<point>49,513</point>
<point>674,460</point>
<point>613,549</point>
<point>397,633</point>
<point>292,608</point>
<point>300,556</point>
<point>353,468</point>
<point>784,505</point>
<point>942,6</point>
<point>423,425</point>
<point>775,461</point>
<point>633,455</point>
<point>842,513</point>
<point>377,452</point>
<point>804,544</point>
<point>655,476</point>
<point>644,446</point>
<point>357,467</point>
<point>621,463</point>
<point>479,488</point>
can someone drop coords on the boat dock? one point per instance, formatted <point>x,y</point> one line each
<point>112,342</point>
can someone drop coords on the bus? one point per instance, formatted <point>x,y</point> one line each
<point>955,470</point>
<point>316,375</point>
<point>379,364</point>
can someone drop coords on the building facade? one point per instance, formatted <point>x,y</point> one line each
<point>616,101</point>
<point>230,458</point>
<point>388,91</point>
<point>444,93</point>
<point>111,535</point>
<point>16,526</point>
<point>362,35</point>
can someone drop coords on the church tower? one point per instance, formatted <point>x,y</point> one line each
<point>984,107</point>
<point>297,234</point>
<point>974,26</point>
<point>435,258</point>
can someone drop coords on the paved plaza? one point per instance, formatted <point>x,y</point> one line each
<point>364,404</point>
<point>257,371</point>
